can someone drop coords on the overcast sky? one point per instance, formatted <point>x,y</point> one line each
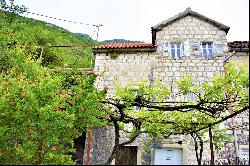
<point>133,19</point>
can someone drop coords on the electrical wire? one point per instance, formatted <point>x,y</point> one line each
<point>60,19</point>
<point>5,8</point>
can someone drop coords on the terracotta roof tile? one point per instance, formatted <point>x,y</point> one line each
<point>125,45</point>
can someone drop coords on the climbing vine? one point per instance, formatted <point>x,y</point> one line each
<point>161,116</point>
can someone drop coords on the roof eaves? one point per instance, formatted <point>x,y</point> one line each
<point>187,12</point>
<point>125,50</point>
<point>239,49</point>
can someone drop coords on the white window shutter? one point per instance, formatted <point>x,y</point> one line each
<point>160,46</point>
<point>182,50</point>
<point>169,48</point>
<point>196,48</point>
<point>165,48</point>
<point>186,49</point>
<point>218,48</point>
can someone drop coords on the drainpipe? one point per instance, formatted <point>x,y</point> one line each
<point>153,31</point>
<point>89,145</point>
<point>233,122</point>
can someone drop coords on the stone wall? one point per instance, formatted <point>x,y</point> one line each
<point>191,31</point>
<point>128,68</point>
<point>199,68</point>
<point>238,127</point>
<point>125,69</point>
<point>137,66</point>
<point>102,143</point>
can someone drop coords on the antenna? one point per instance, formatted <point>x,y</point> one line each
<point>98,28</point>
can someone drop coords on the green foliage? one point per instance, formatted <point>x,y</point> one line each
<point>30,119</point>
<point>41,113</point>
<point>234,85</point>
<point>149,91</point>
<point>160,118</point>
<point>185,85</point>
<point>113,55</point>
<point>33,34</point>
<point>219,137</point>
<point>42,106</point>
<point>11,10</point>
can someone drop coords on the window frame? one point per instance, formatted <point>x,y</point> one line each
<point>208,54</point>
<point>181,48</point>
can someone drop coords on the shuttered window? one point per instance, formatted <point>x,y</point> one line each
<point>207,49</point>
<point>176,50</point>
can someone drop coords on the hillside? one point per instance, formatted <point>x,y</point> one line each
<point>121,41</point>
<point>45,104</point>
<point>32,33</point>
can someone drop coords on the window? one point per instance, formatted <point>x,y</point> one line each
<point>207,49</point>
<point>176,50</point>
<point>245,154</point>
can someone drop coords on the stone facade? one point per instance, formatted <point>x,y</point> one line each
<point>189,30</point>
<point>125,69</point>
<point>238,127</point>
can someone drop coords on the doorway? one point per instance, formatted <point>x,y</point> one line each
<point>168,156</point>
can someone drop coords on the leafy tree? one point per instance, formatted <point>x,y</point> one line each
<point>160,116</point>
<point>42,111</point>
<point>43,106</point>
<point>11,10</point>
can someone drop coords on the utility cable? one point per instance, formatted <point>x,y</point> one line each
<point>6,8</point>
<point>60,19</point>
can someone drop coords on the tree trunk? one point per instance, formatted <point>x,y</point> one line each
<point>198,155</point>
<point>41,145</point>
<point>211,145</point>
<point>112,156</point>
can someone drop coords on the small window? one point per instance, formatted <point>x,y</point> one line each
<point>245,154</point>
<point>176,50</point>
<point>207,49</point>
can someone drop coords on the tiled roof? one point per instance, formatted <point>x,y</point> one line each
<point>189,12</point>
<point>125,45</point>
<point>238,44</point>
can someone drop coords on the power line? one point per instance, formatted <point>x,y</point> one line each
<point>60,19</point>
<point>5,7</point>
<point>75,22</point>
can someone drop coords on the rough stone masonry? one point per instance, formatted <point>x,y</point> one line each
<point>190,30</point>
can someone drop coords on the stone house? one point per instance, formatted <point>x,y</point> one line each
<point>188,43</point>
